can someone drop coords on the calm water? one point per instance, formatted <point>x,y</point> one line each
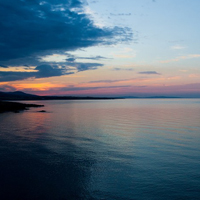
<point>112,149</point>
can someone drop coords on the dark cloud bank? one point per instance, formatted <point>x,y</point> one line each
<point>34,28</point>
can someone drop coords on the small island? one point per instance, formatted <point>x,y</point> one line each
<point>7,106</point>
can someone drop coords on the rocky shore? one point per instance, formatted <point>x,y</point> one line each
<point>6,106</point>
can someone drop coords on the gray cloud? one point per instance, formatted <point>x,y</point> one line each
<point>88,66</point>
<point>7,88</point>
<point>3,66</point>
<point>70,59</point>
<point>84,66</point>
<point>73,58</point>
<point>104,81</point>
<point>93,58</point>
<point>47,70</point>
<point>122,69</point>
<point>41,71</point>
<point>120,14</point>
<point>110,81</point>
<point>31,28</point>
<point>149,72</point>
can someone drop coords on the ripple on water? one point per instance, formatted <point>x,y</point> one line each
<point>121,149</point>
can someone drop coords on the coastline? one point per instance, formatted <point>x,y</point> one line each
<point>7,106</point>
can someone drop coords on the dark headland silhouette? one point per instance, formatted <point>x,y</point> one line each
<point>6,97</point>
<point>7,106</point>
<point>18,95</point>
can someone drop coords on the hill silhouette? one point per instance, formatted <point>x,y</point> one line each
<point>18,95</point>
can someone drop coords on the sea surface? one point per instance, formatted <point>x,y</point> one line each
<point>134,149</point>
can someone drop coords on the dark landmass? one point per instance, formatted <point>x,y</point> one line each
<point>18,95</point>
<point>24,96</point>
<point>6,106</point>
<point>151,97</point>
<point>163,97</point>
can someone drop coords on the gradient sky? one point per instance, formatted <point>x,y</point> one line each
<point>100,47</point>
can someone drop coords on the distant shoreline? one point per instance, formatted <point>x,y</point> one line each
<point>21,96</point>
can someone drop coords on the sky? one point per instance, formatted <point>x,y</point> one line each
<point>100,47</point>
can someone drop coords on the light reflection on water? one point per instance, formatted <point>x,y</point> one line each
<point>112,149</point>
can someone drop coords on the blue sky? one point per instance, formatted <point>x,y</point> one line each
<point>100,48</point>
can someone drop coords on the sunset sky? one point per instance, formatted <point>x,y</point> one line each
<point>100,47</point>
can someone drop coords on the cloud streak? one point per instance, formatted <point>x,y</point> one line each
<point>110,81</point>
<point>93,58</point>
<point>84,66</point>
<point>122,69</point>
<point>178,47</point>
<point>181,58</point>
<point>41,71</point>
<point>149,72</point>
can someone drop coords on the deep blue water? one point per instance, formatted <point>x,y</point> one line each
<point>112,149</point>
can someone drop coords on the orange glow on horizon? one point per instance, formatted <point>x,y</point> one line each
<point>38,86</point>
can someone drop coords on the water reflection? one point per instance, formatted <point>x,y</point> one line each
<point>35,167</point>
<point>124,149</point>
